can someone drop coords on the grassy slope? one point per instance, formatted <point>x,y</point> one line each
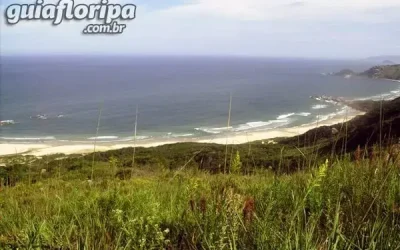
<point>343,205</point>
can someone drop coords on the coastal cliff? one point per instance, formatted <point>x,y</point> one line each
<point>391,72</point>
<point>380,125</point>
<point>383,72</point>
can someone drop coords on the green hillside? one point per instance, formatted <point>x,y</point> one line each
<point>385,72</point>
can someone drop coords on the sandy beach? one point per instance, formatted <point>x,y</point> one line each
<point>41,149</point>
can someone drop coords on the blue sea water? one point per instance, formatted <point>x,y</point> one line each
<point>176,96</point>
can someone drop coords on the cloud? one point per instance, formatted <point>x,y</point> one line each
<point>260,10</point>
<point>297,4</point>
<point>213,27</point>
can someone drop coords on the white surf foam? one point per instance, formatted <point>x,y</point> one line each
<point>319,106</point>
<point>138,137</point>
<point>304,114</point>
<point>284,116</point>
<point>339,112</point>
<point>325,117</point>
<point>45,138</point>
<point>107,137</point>
<point>214,130</point>
<point>172,135</point>
<point>258,124</point>
<point>280,121</point>
<point>384,96</point>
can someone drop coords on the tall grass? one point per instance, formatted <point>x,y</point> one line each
<point>339,205</point>
<point>134,139</point>
<point>227,127</point>
<point>95,139</point>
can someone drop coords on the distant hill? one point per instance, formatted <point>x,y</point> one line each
<point>384,71</point>
<point>381,72</point>
<point>379,59</point>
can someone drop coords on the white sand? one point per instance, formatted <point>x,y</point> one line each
<point>236,138</point>
<point>9,149</point>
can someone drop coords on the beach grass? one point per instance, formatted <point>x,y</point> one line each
<point>346,203</point>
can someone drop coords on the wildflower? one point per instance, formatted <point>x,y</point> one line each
<point>248,210</point>
<point>118,211</point>
<point>203,205</point>
<point>395,152</point>
<point>373,156</point>
<point>395,209</point>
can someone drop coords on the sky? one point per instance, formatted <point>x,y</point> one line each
<point>262,28</point>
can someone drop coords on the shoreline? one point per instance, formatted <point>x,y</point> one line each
<point>42,149</point>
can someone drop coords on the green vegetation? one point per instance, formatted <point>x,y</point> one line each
<point>341,204</point>
<point>386,72</point>
<point>391,71</point>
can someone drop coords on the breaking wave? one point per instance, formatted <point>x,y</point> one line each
<point>45,138</point>
<point>172,135</point>
<point>284,116</point>
<point>319,106</point>
<point>108,137</point>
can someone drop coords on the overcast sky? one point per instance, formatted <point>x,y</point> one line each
<point>287,28</point>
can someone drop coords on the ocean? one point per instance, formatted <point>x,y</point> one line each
<point>58,98</point>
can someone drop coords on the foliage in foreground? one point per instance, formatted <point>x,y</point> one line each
<point>339,205</point>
